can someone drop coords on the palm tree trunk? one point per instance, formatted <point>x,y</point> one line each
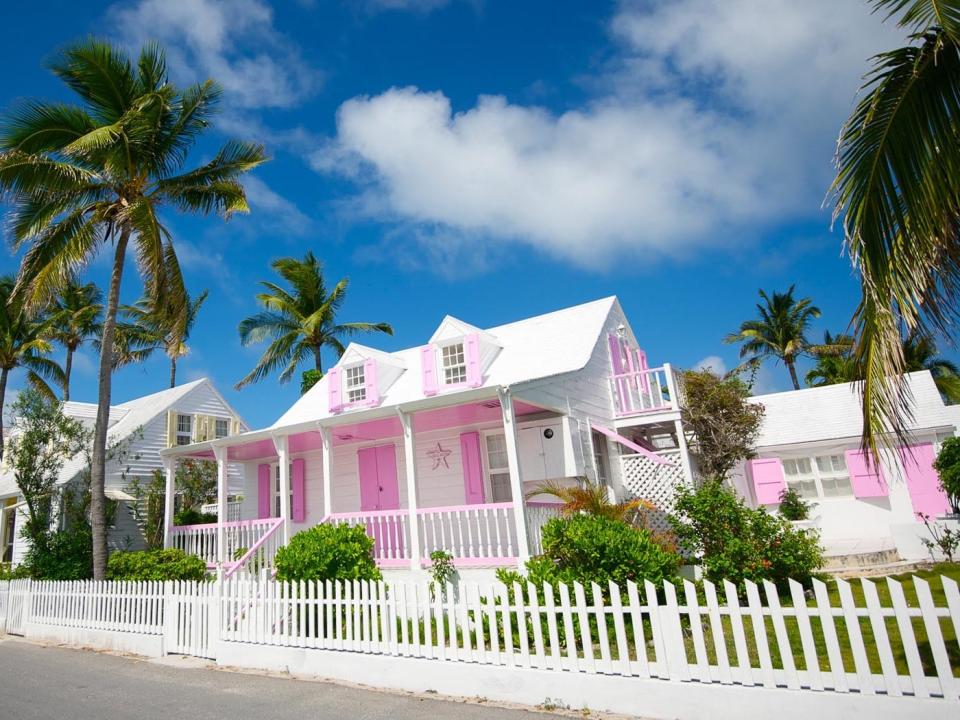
<point>792,367</point>
<point>316,357</point>
<point>67,367</point>
<point>173,372</point>
<point>3,398</point>
<point>98,464</point>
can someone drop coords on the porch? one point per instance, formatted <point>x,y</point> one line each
<point>647,391</point>
<point>449,477</point>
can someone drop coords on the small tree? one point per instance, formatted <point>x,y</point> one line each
<point>947,466</point>
<point>725,424</point>
<point>196,483</point>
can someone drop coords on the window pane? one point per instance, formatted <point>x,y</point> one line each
<point>806,488</point>
<point>223,428</point>
<point>836,487</point>
<point>183,423</point>
<point>803,466</point>
<point>790,467</point>
<point>500,487</point>
<point>454,364</point>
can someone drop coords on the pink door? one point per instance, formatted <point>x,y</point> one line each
<point>922,480</point>
<point>380,490</point>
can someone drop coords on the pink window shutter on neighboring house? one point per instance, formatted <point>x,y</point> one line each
<point>922,480</point>
<point>298,486</point>
<point>471,352</point>
<point>334,391</point>
<point>370,382</point>
<point>264,492</point>
<point>472,468</point>
<point>866,476</point>
<point>428,369</point>
<point>616,364</point>
<point>768,482</point>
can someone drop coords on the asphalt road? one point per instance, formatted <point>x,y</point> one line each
<point>42,682</point>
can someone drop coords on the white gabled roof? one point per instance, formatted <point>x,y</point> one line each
<point>538,347</point>
<point>451,327</point>
<point>833,412</point>
<point>356,352</point>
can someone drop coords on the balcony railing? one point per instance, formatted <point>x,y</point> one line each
<point>657,389</point>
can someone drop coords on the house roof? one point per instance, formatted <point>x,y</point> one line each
<point>834,411</point>
<point>537,347</point>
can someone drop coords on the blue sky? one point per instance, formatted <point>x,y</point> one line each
<point>494,160</point>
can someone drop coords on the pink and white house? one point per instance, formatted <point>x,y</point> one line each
<point>810,441</point>
<point>438,446</point>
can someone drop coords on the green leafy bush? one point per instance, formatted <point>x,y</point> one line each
<point>193,517</point>
<point>947,466</point>
<point>61,555</point>
<point>737,543</point>
<point>592,548</point>
<point>170,564</point>
<point>793,506</point>
<point>328,552</point>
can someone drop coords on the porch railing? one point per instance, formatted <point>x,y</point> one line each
<point>653,390</point>
<point>242,535</point>
<point>390,530</point>
<point>538,513</point>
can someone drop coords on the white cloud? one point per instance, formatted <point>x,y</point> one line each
<point>284,215</point>
<point>414,5</point>
<point>233,41</point>
<point>714,363</point>
<point>715,117</point>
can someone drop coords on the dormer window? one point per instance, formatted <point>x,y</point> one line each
<point>355,384</point>
<point>454,364</point>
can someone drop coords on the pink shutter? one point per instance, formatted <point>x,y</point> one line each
<point>642,367</point>
<point>620,384</point>
<point>370,382</point>
<point>334,390</point>
<point>471,352</point>
<point>616,355</point>
<point>428,368</point>
<point>264,492</point>
<point>866,476</point>
<point>472,468</point>
<point>298,486</point>
<point>922,480</point>
<point>768,482</point>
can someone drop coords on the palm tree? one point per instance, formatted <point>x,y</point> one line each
<point>155,328</point>
<point>834,361</point>
<point>592,499</point>
<point>81,177</point>
<point>897,192</point>
<point>301,321</point>
<point>24,343</point>
<point>780,332</point>
<point>920,353</point>
<point>76,313</point>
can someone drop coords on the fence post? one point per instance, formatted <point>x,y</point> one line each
<point>668,617</point>
<point>215,627</point>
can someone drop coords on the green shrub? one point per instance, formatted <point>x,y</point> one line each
<point>171,564</point>
<point>947,466</point>
<point>592,548</point>
<point>328,552</point>
<point>737,543</point>
<point>61,555</point>
<point>193,517</point>
<point>793,506</point>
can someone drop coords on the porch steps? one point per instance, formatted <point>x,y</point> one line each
<point>879,562</point>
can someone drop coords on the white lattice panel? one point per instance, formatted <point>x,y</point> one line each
<point>654,482</point>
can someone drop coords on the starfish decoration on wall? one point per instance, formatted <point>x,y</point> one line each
<point>439,456</point>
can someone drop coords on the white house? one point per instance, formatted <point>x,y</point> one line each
<point>810,441</point>
<point>437,447</point>
<point>185,414</point>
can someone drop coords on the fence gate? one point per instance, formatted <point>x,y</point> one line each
<point>190,619</point>
<point>18,597</point>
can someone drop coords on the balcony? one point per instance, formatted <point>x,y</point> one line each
<point>652,391</point>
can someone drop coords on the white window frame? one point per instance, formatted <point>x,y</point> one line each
<point>489,471</point>
<point>275,490</point>
<point>817,475</point>
<point>354,384</point>
<point>184,437</point>
<point>601,457</point>
<point>216,427</point>
<point>447,351</point>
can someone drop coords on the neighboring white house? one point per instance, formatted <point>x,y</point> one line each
<point>810,441</point>
<point>188,413</point>
<point>438,446</point>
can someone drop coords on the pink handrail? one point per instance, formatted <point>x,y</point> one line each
<point>256,546</point>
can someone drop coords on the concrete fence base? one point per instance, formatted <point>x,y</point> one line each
<point>123,642</point>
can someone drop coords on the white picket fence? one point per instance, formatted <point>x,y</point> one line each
<point>864,638</point>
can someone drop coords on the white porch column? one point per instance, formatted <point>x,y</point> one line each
<point>221,456</point>
<point>282,443</point>
<point>327,470</point>
<point>516,480</point>
<point>170,467</point>
<point>410,463</point>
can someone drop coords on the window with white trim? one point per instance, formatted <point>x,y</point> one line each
<point>184,429</point>
<point>276,490</point>
<point>222,428</point>
<point>822,476</point>
<point>454,364</point>
<point>498,468</point>
<point>355,383</point>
